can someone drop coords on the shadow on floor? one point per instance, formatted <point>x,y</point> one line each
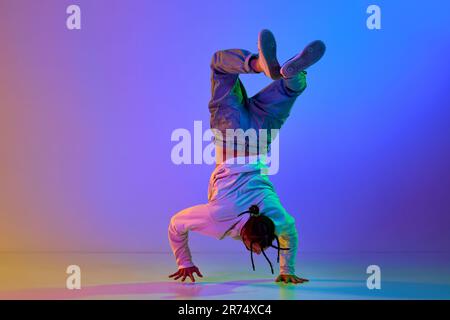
<point>155,290</point>
<point>242,289</point>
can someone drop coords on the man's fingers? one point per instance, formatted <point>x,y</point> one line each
<point>178,277</point>
<point>198,272</point>
<point>180,274</point>
<point>290,279</point>
<point>282,278</point>
<point>296,280</point>
<point>186,272</point>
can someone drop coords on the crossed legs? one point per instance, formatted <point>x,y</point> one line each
<point>231,108</point>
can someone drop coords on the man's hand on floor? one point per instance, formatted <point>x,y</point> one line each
<point>290,278</point>
<point>186,272</point>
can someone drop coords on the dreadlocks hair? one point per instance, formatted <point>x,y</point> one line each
<point>260,229</point>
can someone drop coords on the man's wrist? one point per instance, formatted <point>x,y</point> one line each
<point>287,271</point>
<point>186,265</point>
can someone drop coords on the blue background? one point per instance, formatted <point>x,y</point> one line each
<point>87,117</point>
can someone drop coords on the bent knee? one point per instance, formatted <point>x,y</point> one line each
<point>216,57</point>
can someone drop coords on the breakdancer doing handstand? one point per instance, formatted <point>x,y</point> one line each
<point>242,202</point>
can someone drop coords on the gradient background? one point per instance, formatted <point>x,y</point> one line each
<point>86,118</point>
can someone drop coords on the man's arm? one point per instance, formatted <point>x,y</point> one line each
<point>288,239</point>
<point>196,218</point>
<point>178,239</point>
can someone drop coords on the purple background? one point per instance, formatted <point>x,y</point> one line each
<point>86,118</point>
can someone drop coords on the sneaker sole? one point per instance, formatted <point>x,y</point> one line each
<point>312,53</point>
<point>267,48</point>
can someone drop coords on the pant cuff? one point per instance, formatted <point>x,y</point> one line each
<point>247,66</point>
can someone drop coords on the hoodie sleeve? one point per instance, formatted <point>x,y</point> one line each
<point>191,219</point>
<point>288,239</point>
<point>286,231</point>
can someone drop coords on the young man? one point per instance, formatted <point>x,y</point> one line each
<point>242,202</point>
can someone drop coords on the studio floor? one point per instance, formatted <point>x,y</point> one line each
<point>226,276</point>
